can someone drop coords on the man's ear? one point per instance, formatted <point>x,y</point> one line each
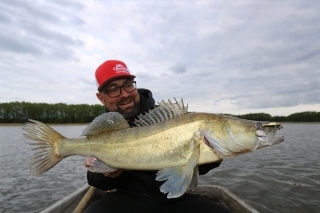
<point>100,97</point>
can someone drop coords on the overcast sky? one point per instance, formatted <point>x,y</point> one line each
<point>227,56</point>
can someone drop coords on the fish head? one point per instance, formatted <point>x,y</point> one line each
<point>230,136</point>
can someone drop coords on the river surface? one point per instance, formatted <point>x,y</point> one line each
<point>278,179</point>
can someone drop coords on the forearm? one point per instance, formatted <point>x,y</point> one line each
<point>100,181</point>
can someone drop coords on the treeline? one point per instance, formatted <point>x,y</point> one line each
<point>296,117</point>
<point>20,112</point>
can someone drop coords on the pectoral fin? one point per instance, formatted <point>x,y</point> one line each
<point>98,166</point>
<point>179,179</point>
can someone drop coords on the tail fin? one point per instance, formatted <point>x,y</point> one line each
<point>45,140</point>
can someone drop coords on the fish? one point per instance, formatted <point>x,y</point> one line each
<point>167,139</point>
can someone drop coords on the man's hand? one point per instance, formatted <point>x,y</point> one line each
<point>114,174</point>
<point>89,161</point>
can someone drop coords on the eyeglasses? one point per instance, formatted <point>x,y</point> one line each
<point>115,91</point>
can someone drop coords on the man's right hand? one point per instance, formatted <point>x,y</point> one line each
<point>114,174</point>
<point>89,161</point>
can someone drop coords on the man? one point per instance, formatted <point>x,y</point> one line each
<point>136,191</point>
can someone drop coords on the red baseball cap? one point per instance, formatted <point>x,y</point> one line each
<point>111,70</point>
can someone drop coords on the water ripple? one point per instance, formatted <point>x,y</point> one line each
<point>284,178</point>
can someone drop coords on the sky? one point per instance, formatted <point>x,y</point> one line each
<point>219,56</point>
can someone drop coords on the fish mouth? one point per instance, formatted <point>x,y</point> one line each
<point>267,134</point>
<point>275,140</point>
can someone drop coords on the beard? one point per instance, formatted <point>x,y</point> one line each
<point>129,113</point>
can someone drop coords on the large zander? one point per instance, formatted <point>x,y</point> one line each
<point>167,138</point>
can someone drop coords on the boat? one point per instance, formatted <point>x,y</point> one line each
<point>79,200</point>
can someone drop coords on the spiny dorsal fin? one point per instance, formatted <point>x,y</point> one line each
<point>165,111</point>
<point>106,122</point>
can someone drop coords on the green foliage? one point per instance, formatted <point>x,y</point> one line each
<point>256,116</point>
<point>20,112</point>
<point>296,117</point>
<point>305,117</point>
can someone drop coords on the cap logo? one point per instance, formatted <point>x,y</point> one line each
<point>119,68</point>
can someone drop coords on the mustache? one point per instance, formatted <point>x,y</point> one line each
<point>125,100</point>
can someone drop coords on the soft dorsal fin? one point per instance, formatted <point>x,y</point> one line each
<point>106,122</point>
<point>165,111</point>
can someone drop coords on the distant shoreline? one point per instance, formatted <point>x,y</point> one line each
<point>50,124</point>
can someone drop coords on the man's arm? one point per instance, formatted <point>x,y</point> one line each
<point>103,182</point>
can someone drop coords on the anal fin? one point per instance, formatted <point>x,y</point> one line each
<point>195,178</point>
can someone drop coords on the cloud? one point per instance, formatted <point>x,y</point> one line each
<point>178,68</point>
<point>37,28</point>
<point>220,56</point>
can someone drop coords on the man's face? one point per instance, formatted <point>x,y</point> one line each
<point>127,103</point>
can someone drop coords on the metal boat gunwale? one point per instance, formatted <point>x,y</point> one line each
<point>217,193</point>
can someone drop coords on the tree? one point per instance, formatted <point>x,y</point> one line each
<point>20,112</point>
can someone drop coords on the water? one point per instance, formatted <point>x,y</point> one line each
<point>282,178</point>
<point>21,193</point>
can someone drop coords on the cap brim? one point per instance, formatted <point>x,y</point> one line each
<point>114,78</point>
